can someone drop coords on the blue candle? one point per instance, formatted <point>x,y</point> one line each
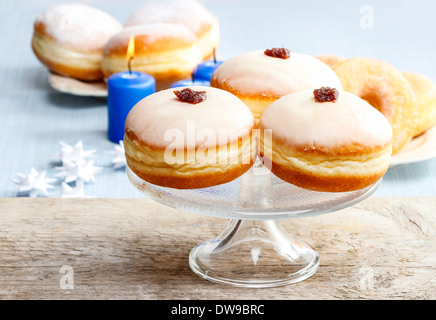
<point>205,69</point>
<point>190,82</point>
<point>125,89</point>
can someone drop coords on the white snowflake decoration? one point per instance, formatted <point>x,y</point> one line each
<point>74,154</point>
<point>69,192</point>
<point>119,157</point>
<point>73,171</point>
<point>34,183</point>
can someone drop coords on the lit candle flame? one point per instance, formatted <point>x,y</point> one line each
<point>130,52</point>
<point>131,48</point>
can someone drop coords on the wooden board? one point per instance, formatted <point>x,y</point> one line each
<point>382,248</point>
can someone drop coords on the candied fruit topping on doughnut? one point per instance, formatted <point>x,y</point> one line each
<point>324,94</point>
<point>190,96</point>
<point>282,53</point>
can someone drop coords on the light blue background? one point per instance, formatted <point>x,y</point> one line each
<point>34,117</point>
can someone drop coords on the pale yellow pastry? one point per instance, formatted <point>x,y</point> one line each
<point>386,89</point>
<point>425,93</point>
<point>332,146</point>
<point>190,14</point>
<point>178,144</point>
<point>69,39</point>
<point>330,59</point>
<point>168,52</point>
<point>259,79</point>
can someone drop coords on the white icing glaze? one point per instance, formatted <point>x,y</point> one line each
<point>150,34</point>
<point>78,25</point>
<point>254,73</point>
<point>302,122</point>
<point>188,13</point>
<point>218,120</point>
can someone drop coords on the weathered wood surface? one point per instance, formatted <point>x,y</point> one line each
<point>382,248</point>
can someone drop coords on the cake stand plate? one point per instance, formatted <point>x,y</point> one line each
<point>254,250</point>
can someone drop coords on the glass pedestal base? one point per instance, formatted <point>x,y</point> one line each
<point>254,250</point>
<point>256,254</point>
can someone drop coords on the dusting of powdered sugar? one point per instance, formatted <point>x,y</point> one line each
<point>188,13</point>
<point>150,34</point>
<point>79,26</point>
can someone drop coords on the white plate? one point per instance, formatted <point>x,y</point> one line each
<point>419,149</point>
<point>77,87</point>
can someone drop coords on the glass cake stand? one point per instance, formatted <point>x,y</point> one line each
<point>254,250</point>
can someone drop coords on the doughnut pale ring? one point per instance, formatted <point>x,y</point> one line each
<point>386,89</point>
<point>177,144</point>
<point>69,39</point>
<point>325,146</point>
<point>330,59</point>
<point>425,93</point>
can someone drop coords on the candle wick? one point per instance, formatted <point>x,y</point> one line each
<point>214,55</point>
<point>193,77</point>
<point>129,65</point>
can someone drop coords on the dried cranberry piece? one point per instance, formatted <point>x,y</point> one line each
<point>324,94</point>
<point>282,53</point>
<point>190,96</point>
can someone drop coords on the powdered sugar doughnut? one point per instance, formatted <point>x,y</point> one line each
<point>168,52</point>
<point>190,14</point>
<point>69,39</point>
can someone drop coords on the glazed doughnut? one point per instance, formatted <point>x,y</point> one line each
<point>332,146</point>
<point>69,39</point>
<point>259,79</point>
<point>168,52</point>
<point>190,14</point>
<point>330,59</point>
<point>386,89</point>
<point>425,93</point>
<point>178,144</point>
